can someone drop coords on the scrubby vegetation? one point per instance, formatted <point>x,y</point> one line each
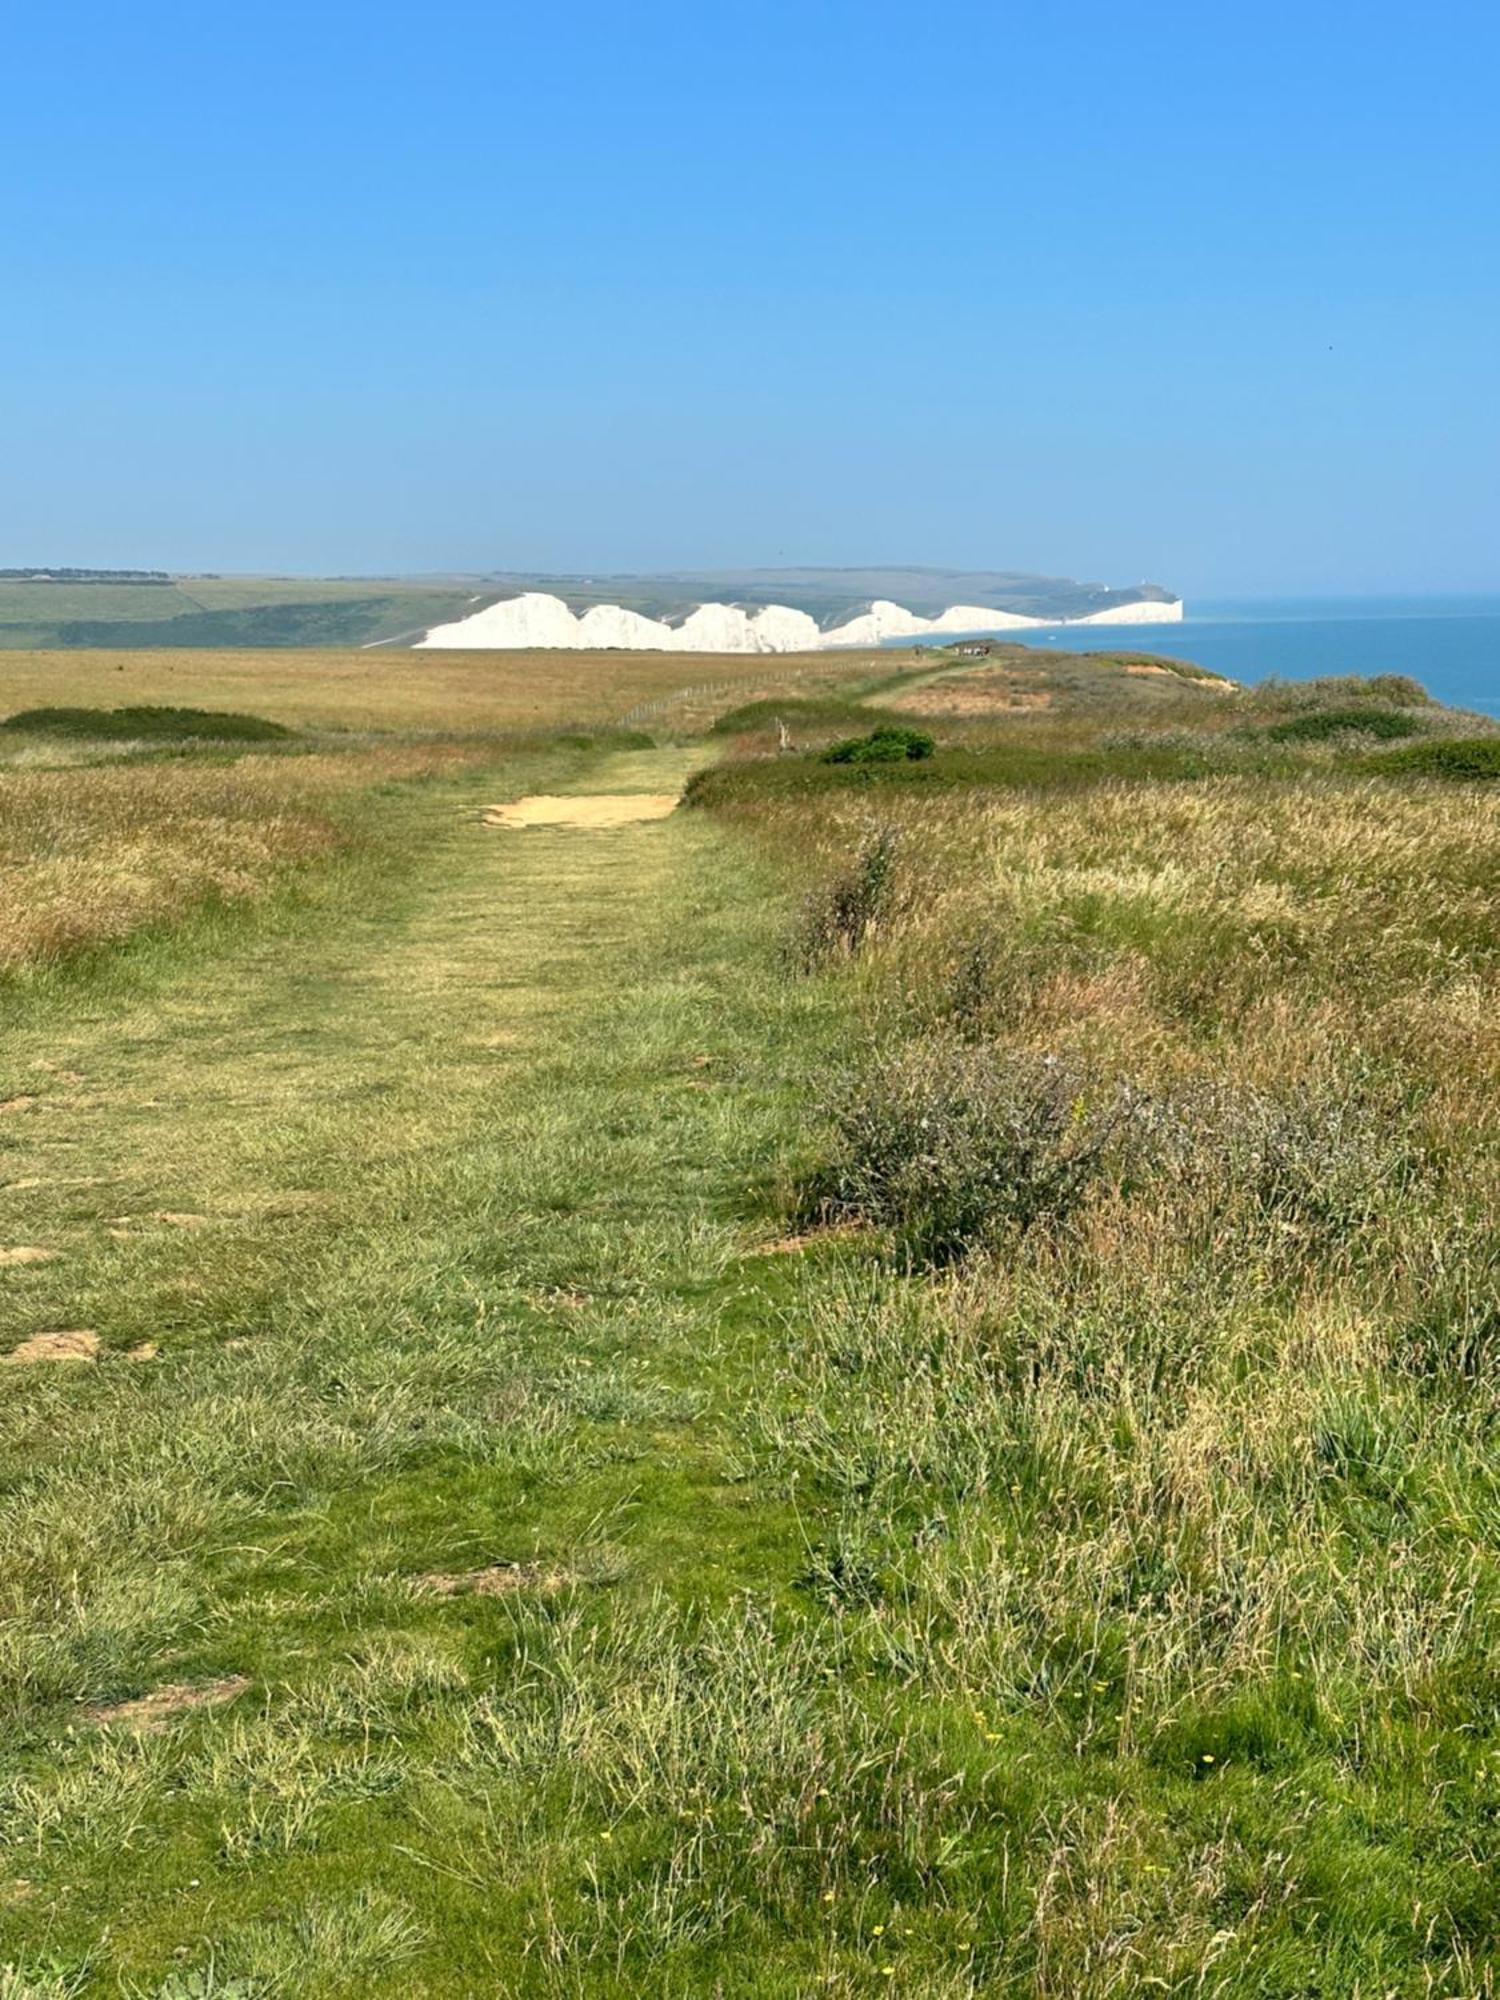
<point>146,725</point>
<point>890,744</point>
<point>1470,758</point>
<point>887,1385</point>
<point>1318,725</point>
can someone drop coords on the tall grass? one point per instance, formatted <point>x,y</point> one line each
<point>90,855</point>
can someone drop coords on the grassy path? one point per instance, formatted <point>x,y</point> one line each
<point>432,1214</point>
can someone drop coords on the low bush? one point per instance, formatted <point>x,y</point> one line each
<point>1320,725</point>
<point>155,725</point>
<point>960,1145</point>
<point>838,918</point>
<point>1304,1173</point>
<point>955,1146</point>
<point>1465,757</point>
<point>1392,690</point>
<point>891,744</point>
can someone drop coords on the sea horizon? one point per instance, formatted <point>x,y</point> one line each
<point>1450,642</point>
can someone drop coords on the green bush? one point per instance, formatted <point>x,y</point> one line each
<point>1320,724</point>
<point>890,744</point>
<point>1393,690</point>
<point>1470,757</point>
<point>954,1146</point>
<point>155,725</point>
<point>961,1145</point>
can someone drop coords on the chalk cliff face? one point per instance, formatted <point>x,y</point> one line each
<point>537,620</point>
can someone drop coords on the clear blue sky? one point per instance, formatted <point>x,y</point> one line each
<point>1203,293</point>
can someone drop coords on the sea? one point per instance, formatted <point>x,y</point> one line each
<point>1450,644</point>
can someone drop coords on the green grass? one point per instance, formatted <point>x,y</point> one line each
<point>222,611</point>
<point>1069,1571</point>
<point>962,767</point>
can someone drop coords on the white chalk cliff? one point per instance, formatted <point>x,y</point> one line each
<point>537,620</point>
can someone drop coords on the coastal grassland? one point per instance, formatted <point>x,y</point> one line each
<point>96,847</point>
<point>220,611</point>
<point>383,689</point>
<point>868,1388</point>
<point>1157,1444</point>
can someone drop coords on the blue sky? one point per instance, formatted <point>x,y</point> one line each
<point>1204,294</point>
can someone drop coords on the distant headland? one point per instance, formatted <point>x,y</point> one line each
<point>698,611</point>
<point>787,611</point>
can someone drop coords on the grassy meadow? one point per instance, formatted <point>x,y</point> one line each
<point>886,1385</point>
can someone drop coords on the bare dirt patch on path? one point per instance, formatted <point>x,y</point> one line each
<point>76,1344</point>
<point>592,811</point>
<point>150,1713</point>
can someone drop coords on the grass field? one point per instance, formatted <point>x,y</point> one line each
<point>886,1385</point>
<point>382,691</point>
<point>197,612</point>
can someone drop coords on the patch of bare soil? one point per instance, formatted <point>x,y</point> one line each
<point>150,1713</point>
<point>78,1344</point>
<point>588,812</point>
<point>499,1580</point>
<point>28,1253</point>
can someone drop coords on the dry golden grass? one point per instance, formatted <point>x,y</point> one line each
<point>383,688</point>
<point>90,855</point>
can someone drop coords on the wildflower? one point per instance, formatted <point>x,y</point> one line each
<point>877,1930</point>
<point>828,1895</point>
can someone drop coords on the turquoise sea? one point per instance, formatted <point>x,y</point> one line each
<point>1451,645</point>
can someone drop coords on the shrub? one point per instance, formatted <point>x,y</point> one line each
<point>1320,724</point>
<point>890,744</point>
<point>1394,690</point>
<point>954,1146</point>
<point>1308,1172</point>
<point>840,917</point>
<point>957,1145</point>
<point>1465,757</point>
<point>157,725</point>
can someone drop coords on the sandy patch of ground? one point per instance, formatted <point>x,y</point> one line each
<point>604,809</point>
<point>499,1580</point>
<point>77,1344</point>
<point>27,1253</point>
<point>152,1712</point>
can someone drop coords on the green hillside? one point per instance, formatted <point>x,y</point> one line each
<point>52,608</point>
<point>222,611</point>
